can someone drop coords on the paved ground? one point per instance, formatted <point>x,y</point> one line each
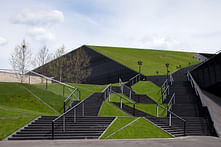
<point>178,142</point>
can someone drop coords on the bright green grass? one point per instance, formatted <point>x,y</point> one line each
<point>116,98</point>
<point>9,126</point>
<point>109,109</point>
<point>140,129</point>
<point>85,89</point>
<point>150,109</point>
<point>148,88</point>
<point>15,96</point>
<point>52,99</point>
<point>153,60</point>
<point>18,107</point>
<point>119,123</point>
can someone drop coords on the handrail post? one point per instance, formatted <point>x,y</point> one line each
<point>46,84</point>
<point>121,102</point>
<point>130,93</point>
<point>170,120</point>
<point>75,115</point>
<point>133,109</point>
<point>52,130</point>
<point>64,107</point>
<point>63,90</point>
<point>184,128</point>
<point>157,110</point>
<point>83,109</point>
<point>29,79</point>
<point>109,96</point>
<point>64,123</point>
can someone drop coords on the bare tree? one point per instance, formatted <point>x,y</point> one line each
<point>42,57</point>
<point>20,59</point>
<point>56,68</point>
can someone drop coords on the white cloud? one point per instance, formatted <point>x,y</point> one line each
<point>30,17</point>
<point>41,34</point>
<point>3,41</point>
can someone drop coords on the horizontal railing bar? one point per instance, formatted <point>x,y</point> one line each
<point>106,87</point>
<point>68,111</point>
<point>48,78</point>
<point>173,96</point>
<point>70,95</point>
<point>122,97</point>
<point>133,77</point>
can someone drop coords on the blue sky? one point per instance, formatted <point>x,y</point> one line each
<point>190,25</point>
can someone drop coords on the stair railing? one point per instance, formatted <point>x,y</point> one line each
<point>76,94</point>
<point>200,94</point>
<point>171,115</point>
<point>171,79</point>
<point>121,102</point>
<point>134,80</point>
<point>123,87</point>
<point>63,116</point>
<point>107,92</point>
<point>165,90</point>
<point>32,77</point>
<point>171,102</point>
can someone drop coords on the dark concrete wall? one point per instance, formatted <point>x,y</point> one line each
<point>102,69</point>
<point>209,73</point>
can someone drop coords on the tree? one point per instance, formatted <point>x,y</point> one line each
<point>78,66</point>
<point>42,57</point>
<point>20,59</point>
<point>56,68</point>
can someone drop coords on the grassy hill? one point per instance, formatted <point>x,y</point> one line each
<point>153,60</point>
<point>18,106</point>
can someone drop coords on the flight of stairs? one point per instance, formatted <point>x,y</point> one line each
<point>187,105</point>
<point>87,126</point>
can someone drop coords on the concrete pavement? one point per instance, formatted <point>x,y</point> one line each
<point>179,142</point>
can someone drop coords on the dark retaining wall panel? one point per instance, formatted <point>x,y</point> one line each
<point>85,65</point>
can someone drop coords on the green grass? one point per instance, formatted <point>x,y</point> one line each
<point>120,122</point>
<point>18,107</point>
<point>15,96</point>
<point>153,60</point>
<point>148,88</point>
<point>85,89</point>
<point>109,109</point>
<point>9,126</point>
<point>140,129</point>
<point>52,99</point>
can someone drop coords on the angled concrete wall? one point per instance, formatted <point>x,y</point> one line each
<point>208,73</point>
<point>89,66</point>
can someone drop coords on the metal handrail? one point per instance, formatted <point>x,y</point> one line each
<point>172,101</point>
<point>70,97</point>
<point>171,80</point>
<point>122,97</point>
<point>63,115</point>
<point>121,102</point>
<point>122,89</point>
<point>135,77</point>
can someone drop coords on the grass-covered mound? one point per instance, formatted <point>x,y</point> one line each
<point>85,89</point>
<point>132,128</point>
<point>148,88</point>
<point>153,60</point>
<point>18,106</point>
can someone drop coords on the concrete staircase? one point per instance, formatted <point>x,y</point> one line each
<point>87,126</point>
<point>187,105</point>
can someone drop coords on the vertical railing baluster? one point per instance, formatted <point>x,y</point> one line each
<point>63,90</point>
<point>75,115</point>
<point>64,123</point>
<point>52,129</point>
<point>157,110</point>
<point>83,109</point>
<point>121,102</point>
<point>170,120</point>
